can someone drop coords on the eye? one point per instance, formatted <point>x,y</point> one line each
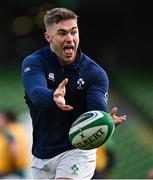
<point>62,33</point>
<point>73,32</point>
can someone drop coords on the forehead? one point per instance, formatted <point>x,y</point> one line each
<point>65,25</point>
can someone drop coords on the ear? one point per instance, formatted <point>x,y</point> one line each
<point>47,37</point>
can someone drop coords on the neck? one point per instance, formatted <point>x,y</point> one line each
<point>63,62</point>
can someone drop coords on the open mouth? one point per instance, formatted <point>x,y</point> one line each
<point>68,49</point>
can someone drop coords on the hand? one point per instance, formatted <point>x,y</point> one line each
<point>117,119</point>
<point>59,95</point>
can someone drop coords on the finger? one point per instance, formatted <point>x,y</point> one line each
<point>63,83</point>
<point>123,117</point>
<point>113,111</point>
<point>65,107</point>
<point>120,120</point>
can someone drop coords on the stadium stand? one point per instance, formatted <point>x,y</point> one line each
<point>137,88</point>
<point>11,92</point>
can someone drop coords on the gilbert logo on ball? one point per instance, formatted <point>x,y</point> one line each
<point>91,130</point>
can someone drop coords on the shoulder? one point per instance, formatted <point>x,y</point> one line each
<point>93,69</point>
<point>17,130</point>
<point>37,57</point>
<point>36,61</point>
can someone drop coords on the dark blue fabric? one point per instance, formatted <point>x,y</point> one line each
<point>86,90</point>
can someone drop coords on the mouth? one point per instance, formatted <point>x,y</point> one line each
<point>68,50</point>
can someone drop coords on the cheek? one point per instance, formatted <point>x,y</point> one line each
<point>58,48</point>
<point>77,39</point>
<point>2,124</point>
<point>58,44</point>
<point>57,41</point>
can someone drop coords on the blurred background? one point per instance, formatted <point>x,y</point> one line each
<point>118,35</point>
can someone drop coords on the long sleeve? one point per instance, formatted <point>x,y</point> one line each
<point>97,92</point>
<point>35,83</point>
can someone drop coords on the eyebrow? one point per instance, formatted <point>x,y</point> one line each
<point>66,30</point>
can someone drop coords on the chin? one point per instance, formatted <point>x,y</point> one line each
<point>69,61</point>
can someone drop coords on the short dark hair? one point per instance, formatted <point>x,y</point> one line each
<point>58,14</point>
<point>9,115</point>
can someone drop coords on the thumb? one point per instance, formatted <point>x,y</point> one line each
<point>57,93</point>
<point>63,83</point>
<point>113,111</point>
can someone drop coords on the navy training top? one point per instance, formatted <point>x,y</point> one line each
<point>86,90</point>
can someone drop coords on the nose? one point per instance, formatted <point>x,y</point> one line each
<point>69,37</point>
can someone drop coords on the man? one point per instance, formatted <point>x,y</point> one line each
<point>60,84</point>
<point>13,147</point>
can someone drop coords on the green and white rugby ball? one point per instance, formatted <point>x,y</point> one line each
<point>91,130</point>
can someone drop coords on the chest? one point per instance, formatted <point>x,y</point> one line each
<point>77,80</point>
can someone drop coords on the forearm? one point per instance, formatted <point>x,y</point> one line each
<point>37,90</point>
<point>41,97</point>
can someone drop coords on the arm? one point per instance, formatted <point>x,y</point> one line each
<point>97,97</point>
<point>35,83</point>
<point>36,86</point>
<point>97,90</point>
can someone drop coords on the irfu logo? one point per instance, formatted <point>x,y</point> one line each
<point>80,83</point>
<point>75,169</point>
